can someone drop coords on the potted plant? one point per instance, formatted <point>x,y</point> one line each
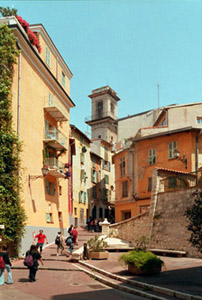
<point>141,262</point>
<point>96,248</point>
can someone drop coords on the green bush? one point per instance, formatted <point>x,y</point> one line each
<point>145,262</point>
<point>96,245</point>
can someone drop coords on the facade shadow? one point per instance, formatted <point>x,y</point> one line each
<point>187,280</point>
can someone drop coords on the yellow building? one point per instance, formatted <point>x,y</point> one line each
<point>41,103</point>
<point>81,179</point>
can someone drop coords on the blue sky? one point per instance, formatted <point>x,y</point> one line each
<point>131,45</point>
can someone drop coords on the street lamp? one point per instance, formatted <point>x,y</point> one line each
<point>183,159</point>
<point>44,171</point>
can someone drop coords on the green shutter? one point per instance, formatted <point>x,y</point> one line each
<point>85,197</point>
<point>47,187</point>
<point>53,191</point>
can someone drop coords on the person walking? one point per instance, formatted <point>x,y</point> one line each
<point>33,251</point>
<point>5,255</point>
<point>59,241</point>
<point>41,239</point>
<point>69,242</point>
<point>70,229</point>
<point>74,234</point>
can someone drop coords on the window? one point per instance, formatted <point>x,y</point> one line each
<point>164,122</point>
<point>63,79</point>
<point>94,192</point>
<point>83,175</point>
<point>122,166</point>
<point>94,176</point>
<point>106,179</point>
<point>48,57</point>
<point>60,190</point>
<point>94,161</point>
<point>75,211</point>
<point>199,120</point>
<point>100,109</point>
<point>82,197</point>
<point>172,182</point>
<point>50,100</point>
<point>82,157</point>
<point>152,156</point>
<point>149,184</point>
<point>112,108</point>
<point>126,215</point>
<point>125,189</point>
<point>109,164</point>
<point>50,188</point>
<point>49,218</point>
<point>171,149</point>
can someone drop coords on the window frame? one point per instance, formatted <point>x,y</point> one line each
<point>152,156</point>
<point>124,189</point>
<point>172,146</point>
<point>48,57</point>
<point>122,166</point>
<point>63,79</point>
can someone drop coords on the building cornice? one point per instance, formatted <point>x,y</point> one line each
<point>39,65</point>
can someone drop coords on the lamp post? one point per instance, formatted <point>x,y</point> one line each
<point>44,171</point>
<point>183,159</point>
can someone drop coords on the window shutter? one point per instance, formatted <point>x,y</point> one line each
<point>50,100</point>
<point>82,175</point>
<point>47,187</point>
<point>53,191</point>
<point>109,166</point>
<point>84,198</point>
<point>80,197</point>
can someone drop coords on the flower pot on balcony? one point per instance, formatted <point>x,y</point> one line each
<point>98,255</point>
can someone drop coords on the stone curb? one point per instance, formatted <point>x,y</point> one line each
<point>45,269</point>
<point>119,287</point>
<point>154,288</point>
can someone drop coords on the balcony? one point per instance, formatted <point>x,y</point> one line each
<point>55,167</point>
<point>100,115</point>
<point>55,139</point>
<point>54,107</point>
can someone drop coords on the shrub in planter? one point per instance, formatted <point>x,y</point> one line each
<point>141,262</point>
<point>96,248</point>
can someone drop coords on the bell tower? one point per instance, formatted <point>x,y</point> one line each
<point>104,114</point>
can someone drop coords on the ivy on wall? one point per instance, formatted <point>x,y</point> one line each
<point>12,215</point>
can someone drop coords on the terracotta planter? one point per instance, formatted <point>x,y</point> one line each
<point>98,255</point>
<point>132,269</point>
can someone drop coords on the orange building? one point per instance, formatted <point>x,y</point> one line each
<point>41,104</point>
<point>178,149</point>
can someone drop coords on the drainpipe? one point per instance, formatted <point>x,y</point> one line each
<point>197,152</point>
<point>18,100</point>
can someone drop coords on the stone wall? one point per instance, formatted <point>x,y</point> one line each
<point>169,230</point>
<point>165,223</point>
<point>133,228</point>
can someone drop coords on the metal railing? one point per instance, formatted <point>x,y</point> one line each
<point>55,134</point>
<point>54,163</point>
<point>100,115</point>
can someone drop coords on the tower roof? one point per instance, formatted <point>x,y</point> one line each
<point>104,90</point>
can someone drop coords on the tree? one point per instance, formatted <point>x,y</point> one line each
<point>12,214</point>
<point>6,11</point>
<point>194,216</point>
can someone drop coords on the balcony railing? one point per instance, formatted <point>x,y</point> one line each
<point>54,107</point>
<point>55,167</point>
<point>56,139</point>
<point>99,115</point>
